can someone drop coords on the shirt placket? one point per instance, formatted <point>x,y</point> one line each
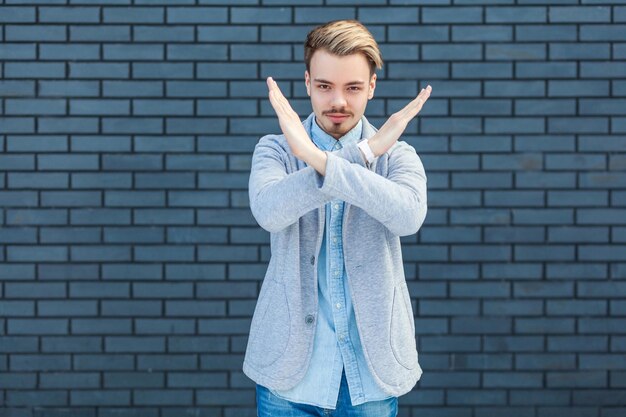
<point>338,287</point>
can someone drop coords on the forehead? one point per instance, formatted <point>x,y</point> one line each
<point>339,69</point>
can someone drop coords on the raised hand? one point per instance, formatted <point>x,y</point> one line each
<point>393,128</point>
<point>299,141</point>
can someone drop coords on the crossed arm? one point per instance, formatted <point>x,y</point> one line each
<point>278,199</point>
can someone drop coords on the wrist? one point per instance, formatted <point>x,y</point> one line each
<point>373,144</point>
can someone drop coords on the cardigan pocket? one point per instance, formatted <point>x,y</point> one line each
<point>270,332</point>
<point>402,331</point>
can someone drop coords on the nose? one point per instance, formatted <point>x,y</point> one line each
<point>338,99</point>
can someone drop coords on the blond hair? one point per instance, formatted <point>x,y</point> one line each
<point>343,37</point>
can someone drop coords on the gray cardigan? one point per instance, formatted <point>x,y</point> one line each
<point>383,202</point>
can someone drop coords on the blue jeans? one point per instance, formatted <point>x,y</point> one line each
<point>269,405</point>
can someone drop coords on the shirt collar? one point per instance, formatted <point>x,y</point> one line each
<point>326,142</point>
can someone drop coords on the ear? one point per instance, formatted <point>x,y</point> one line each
<point>307,82</point>
<point>372,87</point>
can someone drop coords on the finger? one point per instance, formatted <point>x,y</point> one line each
<point>281,97</point>
<point>282,100</point>
<point>411,109</point>
<point>278,102</point>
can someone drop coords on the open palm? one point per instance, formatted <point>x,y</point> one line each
<point>393,128</point>
<point>297,137</point>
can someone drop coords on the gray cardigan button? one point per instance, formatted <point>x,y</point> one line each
<point>312,260</point>
<point>309,319</point>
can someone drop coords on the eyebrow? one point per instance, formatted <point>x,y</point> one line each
<point>321,80</point>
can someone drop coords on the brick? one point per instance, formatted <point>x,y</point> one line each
<point>499,343</point>
<point>577,307</point>
<point>199,162</point>
<point>162,107</point>
<point>263,52</point>
<point>133,14</point>
<point>195,89</point>
<point>547,32</point>
<point>89,143</point>
<point>163,33</point>
<point>576,198</point>
<point>577,271</point>
<point>480,253</point>
<point>67,308</point>
<point>542,216</point>
<point>481,180</point>
<point>396,15</point>
<point>513,307</point>
<point>474,397</point>
<point>117,125</point>
<point>109,33</point>
<point>197,15</point>
<point>100,397</point>
<point>66,235</point>
<point>102,180</point>
<point>604,70</point>
<point>231,33</point>
<point>503,14</point>
<point>479,216</point>
<point>489,33</point>
<point>545,180</point>
<point>132,52</point>
<point>416,33</point>
<point>54,88</point>
<point>17,51</point>
<point>18,14</point>
<point>37,327</point>
<point>67,380</point>
<point>36,217</point>
<point>35,106</point>
<point>34,70</point>
<point>17,88</point>
<point>514,234</point>
<point>544,325</point>
<point>165,70</point>
<point>512,271</point>
<point>461,14</point>
<point>543,289</point>
<point>195,125</point>
<point>134,344</point>
<point>69,52</point>
<point>38,33</point>
<point>261,15</point>
<point>98,70</point>
<point>132,88</point>
<point>69,14</point>
<point>578,234</point>
<point>517,198</point>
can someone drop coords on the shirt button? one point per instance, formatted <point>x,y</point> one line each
<point>336,273</point>
<point>335,240</point>
<point>309,319</point>
<point>312,260</point>
<point>336,206</point>
<point>341,337</point>
<point>338,305</point>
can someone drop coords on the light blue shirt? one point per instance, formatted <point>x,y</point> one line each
<point>337,345</point>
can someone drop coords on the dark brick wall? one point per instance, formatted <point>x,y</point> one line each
<point>130,261</point>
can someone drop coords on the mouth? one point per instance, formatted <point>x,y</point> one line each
<point>337,117</point>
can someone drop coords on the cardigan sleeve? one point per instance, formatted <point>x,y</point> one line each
<point>398,201</point>
<point>279,199</point>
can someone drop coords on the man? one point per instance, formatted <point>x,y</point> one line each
<point>333,327</point>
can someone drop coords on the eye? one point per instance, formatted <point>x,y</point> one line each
<point>355,88</point>
<point>322,86</point>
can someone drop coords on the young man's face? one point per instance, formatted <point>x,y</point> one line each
<point>339,87</point>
